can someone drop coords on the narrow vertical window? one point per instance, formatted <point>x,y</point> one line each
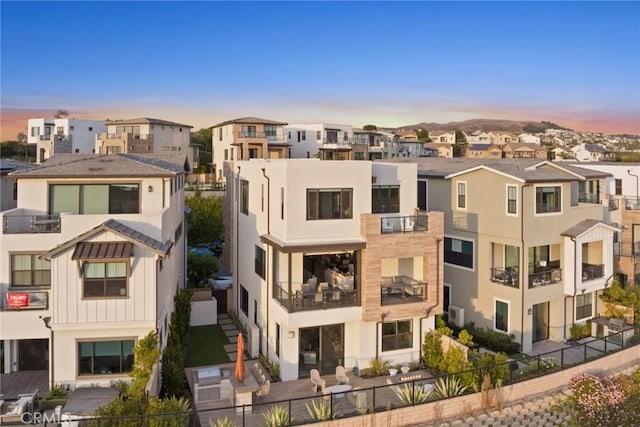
<point>462,195</point>
<point>281,202</point>
<point>512,199</point>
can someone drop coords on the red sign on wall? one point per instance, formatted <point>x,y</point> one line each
<point>17,299</point>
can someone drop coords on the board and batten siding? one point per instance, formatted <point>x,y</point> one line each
<point>69,307</point>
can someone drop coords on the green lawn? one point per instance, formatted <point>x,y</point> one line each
<point>206,346</point>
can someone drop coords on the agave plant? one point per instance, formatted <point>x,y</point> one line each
<point>320,410</point>
<point>276,416</point>
<point>379,367</point>
<point>223,422</point>
<point>412,394</point>
<point>449,386</point>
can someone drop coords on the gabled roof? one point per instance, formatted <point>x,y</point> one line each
<point>146,120</point>
<point>527,170</point>
<point>101,165</point>
<point>124,231</point>
<point>250,121</point>
<point>483,147</point>
<point>584,226</point>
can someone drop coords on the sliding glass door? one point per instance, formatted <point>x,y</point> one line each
<point>321,348</point>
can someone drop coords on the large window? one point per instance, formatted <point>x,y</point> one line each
<point>385,199</point>
<point>244,196</point>
<point>270,130</point>
<point>583,306</point>
<point>548,199</point>
<point>244,300</point>
<point>29,270</point>
<point>458,252</point>
<point>462,195</point>
<point>260,259</point>
<point>135,130</point>
<point>397,335</point>
<point>502,316</point>
<point>104,279</point>
<point>94,198</point>
<point>512,199</point>
<point>105,357</point>
<point>329,203</point>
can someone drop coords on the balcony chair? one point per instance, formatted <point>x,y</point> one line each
<point>387,226</point>
<point>407,224</point>
<point>341,375</point>
<point>263,390</point>
<point>317,381</point>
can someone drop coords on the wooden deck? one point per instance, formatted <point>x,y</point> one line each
<point>15,383</point>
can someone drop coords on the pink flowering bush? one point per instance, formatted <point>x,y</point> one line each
<point>603,402</point>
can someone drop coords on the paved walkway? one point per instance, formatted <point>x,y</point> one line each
<point>231,331</point>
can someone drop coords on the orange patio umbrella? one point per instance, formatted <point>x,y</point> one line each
<point>239,359</point>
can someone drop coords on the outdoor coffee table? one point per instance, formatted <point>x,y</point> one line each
<point>338,390</point>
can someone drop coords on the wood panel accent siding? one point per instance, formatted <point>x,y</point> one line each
<point>427,244</point>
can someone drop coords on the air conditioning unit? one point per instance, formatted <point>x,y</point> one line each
<point>456,315</point>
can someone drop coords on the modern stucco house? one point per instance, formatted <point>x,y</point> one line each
<point>333,264</point>
<point>89,263</point>
<point>63,135</point>
<point>527,247</point>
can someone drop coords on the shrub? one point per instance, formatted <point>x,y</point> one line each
<point>172,369</point>
<point>223,422</point>
<point>171,412</point>
<point>272,367</point>
<point>448,386</point>
<point>580,330</point>
<point>493,340</point>
<point>597,402</point>
<point>432,350</point>
<point>465,338</point>
<point>412,394</point>
<point>454,362</point>
<point>276,416</point>
<point>379,367</point>
<point>321,410</point>
<point>495,366</point>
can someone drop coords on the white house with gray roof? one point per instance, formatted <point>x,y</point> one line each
<point>63,135</point>
<point>527,245</point>
<point>90,260</point>
<point>147,136</point>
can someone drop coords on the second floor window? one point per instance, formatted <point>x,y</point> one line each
<point>94,198</point>
<point>462,195</point>
<point>385,199</point>
<point>244,300</point>
<point>329,203</point>
<point>30,270</point>
<point>260,262</point>
<point>548,199</point>
<point>104,279</point>
<point>270,130</point>
<point>618,187</point>
<point>458,252</point>
<point>512,199</point>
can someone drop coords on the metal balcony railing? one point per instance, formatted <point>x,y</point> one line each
<point>404,224</point>
<point>588,198</point>
<point>319,298</point>
<point>545,277</point>
<point>508,277</point>
<point>401,290</point>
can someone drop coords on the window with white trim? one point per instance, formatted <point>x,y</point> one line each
<point>512,199</point>
<point>548,199</point>
<point>462,195</point>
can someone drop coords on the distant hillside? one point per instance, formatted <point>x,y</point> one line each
<point>514,126</point>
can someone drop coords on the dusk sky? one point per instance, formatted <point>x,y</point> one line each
<point>387,63</point>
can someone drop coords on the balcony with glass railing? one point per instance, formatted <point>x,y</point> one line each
<point>545,276</point>
<point>24,300</point>
<point>591,271</point>
<point>404,224</point>
<point>592,198</point>
<point>19,221</point>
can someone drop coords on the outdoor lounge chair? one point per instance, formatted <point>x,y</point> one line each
<point>264,389</point>
<point>387,226</point>
<point>407,224</point>
<point>317,381</point>
<point>341,375</point>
